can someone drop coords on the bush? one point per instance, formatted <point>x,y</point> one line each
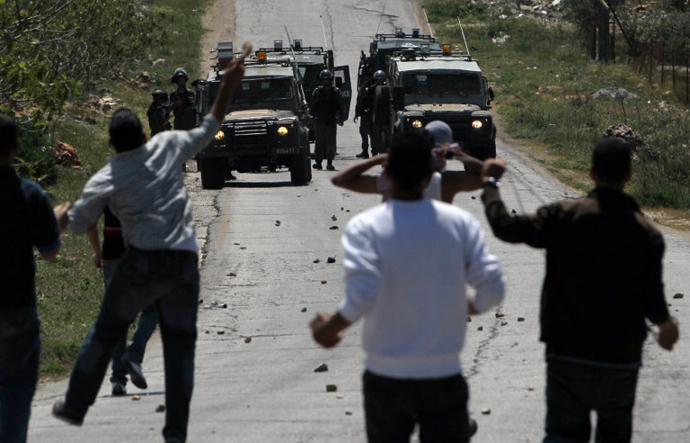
<point>439,10</point>
<point>36,160</point>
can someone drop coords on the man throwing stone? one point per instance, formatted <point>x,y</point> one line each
<point>406,266</point>
<point>143,186</point>
<point>603,279</point>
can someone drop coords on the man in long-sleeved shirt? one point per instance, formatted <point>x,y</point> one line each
<point>407,264</point>
<point>603,278</point>
<point>144,187</point>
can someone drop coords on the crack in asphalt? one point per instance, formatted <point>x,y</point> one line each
<point>483,346</point>
<point>372,11</point>
<point>330,23</point>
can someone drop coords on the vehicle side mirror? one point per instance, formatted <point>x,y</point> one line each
<point>398,97</point>
<point>492,96</point>
<point>198,83</point>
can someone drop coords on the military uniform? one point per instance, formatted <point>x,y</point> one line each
<point>363,112</point>
<point>182,103</point>
<point>159,117</point>
<point>327,113</point>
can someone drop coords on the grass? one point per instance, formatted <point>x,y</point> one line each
<point>544,83</point>
<point>71,289</point>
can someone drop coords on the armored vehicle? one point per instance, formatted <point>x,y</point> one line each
<point>384,46</point>
<point>428,85</point>
<point>265,125</point>
<point>310,61</point>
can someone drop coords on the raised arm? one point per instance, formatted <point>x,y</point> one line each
<point>354,179</point>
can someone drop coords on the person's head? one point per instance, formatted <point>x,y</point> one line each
<point>611,162</point>
<point>380,77</point>
<point>326,77</point>
<point>441,132</point>
<point>125,131</point>
<point>409,162</point>
<point>9,139</point>
<point>179,77</point>
<point>160,96</point>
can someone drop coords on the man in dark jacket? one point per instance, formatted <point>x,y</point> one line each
<point>327,113</point>
<point>603,279</point>
<point>158,113</point>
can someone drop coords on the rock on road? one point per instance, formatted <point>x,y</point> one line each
<point>255,379</point>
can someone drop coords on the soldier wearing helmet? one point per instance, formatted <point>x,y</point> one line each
<point>327,112</point>
<point>364,110</point>
<point>159,113</point>
<point>182,101</point>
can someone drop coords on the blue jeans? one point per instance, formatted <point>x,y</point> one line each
<point>392,407</point>
<point>169,280</point>
<point>19,356</point>
<point>574,389</point>
<point>145,329</point>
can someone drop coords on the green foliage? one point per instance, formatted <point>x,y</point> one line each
<point>438,10</point>
<point>36,160</point>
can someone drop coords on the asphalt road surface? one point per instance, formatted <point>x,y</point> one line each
<point>255,379</point>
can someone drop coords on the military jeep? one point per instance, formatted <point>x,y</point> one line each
<point>429,85</point>
<point>265,126</point>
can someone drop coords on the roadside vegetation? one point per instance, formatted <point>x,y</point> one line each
<point>545,83</point>
<point>65,66</point>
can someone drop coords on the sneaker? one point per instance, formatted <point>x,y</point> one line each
<point>119,389</point>
<point>136,375</point>
<point>318,166</point>
<point>330,166</point>
<point>65,413</point>
<point>363,154</point>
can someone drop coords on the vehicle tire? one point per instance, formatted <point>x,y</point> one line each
<point>382,106</point>
<point>491,150</point>
<point>300,170</point>
<point>212,174</point>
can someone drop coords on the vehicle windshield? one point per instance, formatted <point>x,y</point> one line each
<point>454,84</point>
<point>256,91</point>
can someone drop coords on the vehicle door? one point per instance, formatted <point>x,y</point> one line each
<point>343,82</point>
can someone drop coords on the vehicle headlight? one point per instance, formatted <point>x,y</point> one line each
<point>417,124</point>
<point>283,131</point>
<point>220,135</point>
<point>477,124</point>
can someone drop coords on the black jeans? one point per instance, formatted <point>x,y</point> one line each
<point>170,281</point>
<point>574,389</point>
<point>325,146</point>
<point>393,406</point>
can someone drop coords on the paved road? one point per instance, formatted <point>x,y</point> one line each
<point>255,359</point>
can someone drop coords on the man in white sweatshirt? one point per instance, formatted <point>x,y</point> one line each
<point>407,265</point>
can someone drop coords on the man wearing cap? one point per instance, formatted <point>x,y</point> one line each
<point>443,184</point>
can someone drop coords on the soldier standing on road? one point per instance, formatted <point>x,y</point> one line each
<point>327,110</point>
<point>603,279</point>
<point>409,284</point>
<point>182,103</point>
<point>159,113</point>
<point>27,220</point>
<point>380,113</point>
<point>363,112</point>
<point>143,187</point>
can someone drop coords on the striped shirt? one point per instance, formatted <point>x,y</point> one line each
<point>145,190</point>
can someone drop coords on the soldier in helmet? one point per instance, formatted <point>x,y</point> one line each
<point>327,113</point>
<point>380,106</point>
<point>364,110</point>
<point>159,113</point>
<point>182,101</point>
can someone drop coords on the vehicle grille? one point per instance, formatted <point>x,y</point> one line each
<point>460,124</point>
<point>251,137</point>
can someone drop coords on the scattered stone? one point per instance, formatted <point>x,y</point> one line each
<point>247,339</point>
<point>333,228</point>
<point>521,318</point>
<point>323,282</point>
<point>500,315</point>
<point>613,92</point>
<point>331,388</point>
<point>323,367</point>
<point>481,328</point>
<point>331,260</point>
<point>513,211</point>
<point>232,274</point>
<point>347,210</point>
<point>208,332</point>
<point>486,411</point>
<point>237,244</point>
<point>469,319</point>
<point>304,309</point>
<point>201,301</point>
<point>474,198</point>
<point>340,396</point>
<point>243,247</point>
<point>678,295</point>
<point>160,408</point>
<point>530,388</point>
<point>334,218</point>
<point>224,306</point>
<point>342,209</point>
<point>348,412</point>
<point>221,332</point>
<point>317,261</point>
<point>136,397</point>
<point>504,323</point>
